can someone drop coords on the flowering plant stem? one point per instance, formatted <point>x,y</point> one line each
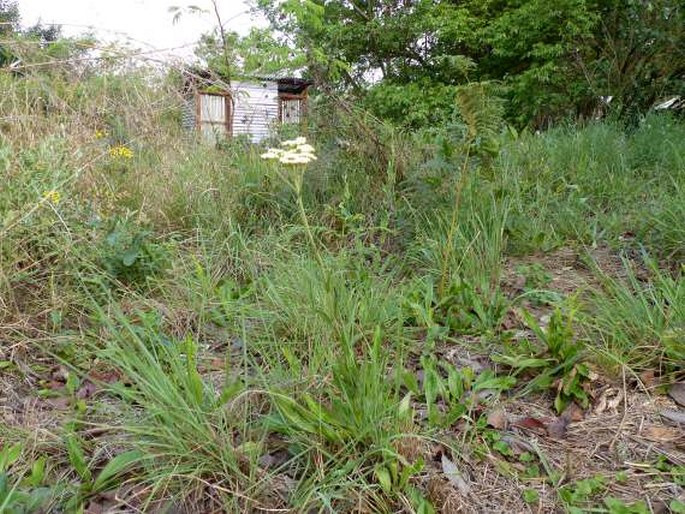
<point>296,154</point>
<point>296,185</point>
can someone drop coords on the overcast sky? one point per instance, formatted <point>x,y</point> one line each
<point>143,23</point>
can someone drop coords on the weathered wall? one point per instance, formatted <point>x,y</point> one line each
<point>255,108</point>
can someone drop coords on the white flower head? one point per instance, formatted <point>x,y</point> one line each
<point>295,152</point>
<point>290,158</point>
<point>305,148</point>
<point>298,141</point>
<point>272,154</point>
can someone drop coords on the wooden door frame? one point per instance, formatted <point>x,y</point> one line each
<point>228,111</point>
<point>284,97</point>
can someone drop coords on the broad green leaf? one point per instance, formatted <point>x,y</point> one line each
<point>383,478</point>
<point>410,381</point>
<point>77,458</point>
<point>229,392</point>
<point>9,456</point>
<point>430,386</point>
<point>455,383</point>
<point>115,467</point>
<point>520,362</point>
<point>496,383</point>
<point>38,471</point>
<point>677,506</point>
<point>405,406</point>
<point>531,496</point>
<point>130,256</point>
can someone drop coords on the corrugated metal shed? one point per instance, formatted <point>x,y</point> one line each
<point>219,109</point>
<point>255,108</point>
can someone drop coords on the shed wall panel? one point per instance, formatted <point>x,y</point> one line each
<point>213,108</point>
<point>255,108</point>
<point>188,116</point>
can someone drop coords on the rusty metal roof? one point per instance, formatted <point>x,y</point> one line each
<point>194,76</point>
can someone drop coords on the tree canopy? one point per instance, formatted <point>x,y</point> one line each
<point>553,59</point>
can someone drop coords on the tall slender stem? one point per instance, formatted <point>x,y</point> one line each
<point>297,185</point>
<point>449,250</point>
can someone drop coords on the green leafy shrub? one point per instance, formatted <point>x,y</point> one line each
<point>130,253</point>
<point>559,365</point>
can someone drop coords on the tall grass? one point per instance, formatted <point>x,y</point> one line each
<point>640,324</point>
<point>595,184</point>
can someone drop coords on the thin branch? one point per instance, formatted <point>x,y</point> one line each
<point>224,41</point>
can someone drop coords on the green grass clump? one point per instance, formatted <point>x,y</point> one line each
<point>640,323</point>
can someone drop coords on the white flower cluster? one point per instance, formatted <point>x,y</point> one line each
<point>295,151</point>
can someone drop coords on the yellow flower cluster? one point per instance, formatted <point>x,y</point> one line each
<point>120,152</point>
<point>52,196</point>
<point>99,134</point>
<point>294,152</point>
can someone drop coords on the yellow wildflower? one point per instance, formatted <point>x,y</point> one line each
<point>52,196</point>
<point>121,152</point>
<point>99,134</point>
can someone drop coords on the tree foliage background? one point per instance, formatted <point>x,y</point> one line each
<point>553,59</point>
<point>404,60</point>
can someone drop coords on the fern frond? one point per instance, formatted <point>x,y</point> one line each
<point>482,111</point>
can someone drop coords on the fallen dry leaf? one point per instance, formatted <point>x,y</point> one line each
<point>573,413</point>
<point>54,385</point>
<point>615,401</point>
<point>677,416</point>
<point>106,377</point>
<point>60,374</point>
<point>677,392</point>
<point>517,444</point>
<point>609,400</point>
<point>87,390</point>
<point>456,356</point>
<point>662,434</point>
<point>660,507</point>
<point>274,460</point>
<point>601,404</point>
<point>59,403</point>
<point>453,474</point>
<point>529,423</point>
<point>283,485</point>
<point>497,419</point>
<point>103,503</point>
<point>648,379</point>
<point>557,428</point>
<point>554,428</point>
